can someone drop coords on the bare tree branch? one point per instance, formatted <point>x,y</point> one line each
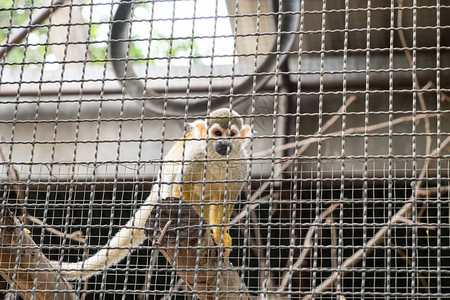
<point>380,237</point>
<point>307,245</point>
<point>361,129</point>
<point>409,262</point>
<point>190,248</point>
<point>25,268</point>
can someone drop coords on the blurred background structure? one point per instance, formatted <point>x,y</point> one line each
<point>348,194</point>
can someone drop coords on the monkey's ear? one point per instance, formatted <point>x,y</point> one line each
<point>246,131</point>
<point>198,129</point>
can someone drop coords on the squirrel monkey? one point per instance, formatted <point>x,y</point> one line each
<point>213,162</point>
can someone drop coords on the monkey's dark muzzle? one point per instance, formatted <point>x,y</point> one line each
<point>224,147</point>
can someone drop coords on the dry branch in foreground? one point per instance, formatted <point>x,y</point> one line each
<point>25,268</point>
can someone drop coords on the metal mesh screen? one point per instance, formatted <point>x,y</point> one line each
<point>346,194</point>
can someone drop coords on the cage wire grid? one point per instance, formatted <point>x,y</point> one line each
<point>346,195</point>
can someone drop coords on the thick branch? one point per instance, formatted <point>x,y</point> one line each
<point>189,247</point>
<point>25,268</point>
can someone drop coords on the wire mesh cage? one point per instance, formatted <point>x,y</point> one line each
<point>224,149</point>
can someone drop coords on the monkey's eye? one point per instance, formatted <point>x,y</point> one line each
<point>217,132</point>
<point>233,133</point>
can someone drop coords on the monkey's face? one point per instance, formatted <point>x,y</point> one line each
<point>224,141</point>
<point>225,138</point>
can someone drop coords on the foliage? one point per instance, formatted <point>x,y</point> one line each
<point>13,15</point>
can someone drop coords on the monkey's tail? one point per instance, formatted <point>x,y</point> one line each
<point>125,241</point>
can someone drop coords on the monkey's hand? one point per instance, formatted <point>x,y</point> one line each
<point>222,238</point>
<point>219,222</point>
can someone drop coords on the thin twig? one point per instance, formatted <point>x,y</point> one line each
<point>409,262</point>
<point>158,243</point>
<point>261,255</point>
<point>13,175</point>
<point>409,221</point>
<point>258,250</point>
<point>425,204</point>
<point>444,97</point>
<point>251,207</point>
<point>335,134</point>
<point>149,273</point>
<point>334,252</point>
<point>75,236</point>
<point>248,208</point>
<point>327,125</point>
<point>163,233</point>
<point>334,244</point>
<point>175,288</point>
<point>307,244</point>
<point>86,282</point>
<point>333,120</point>
<point>423,106</point>
<point>432,192</point>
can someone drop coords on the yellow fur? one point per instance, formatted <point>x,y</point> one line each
<point>217,207</point>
